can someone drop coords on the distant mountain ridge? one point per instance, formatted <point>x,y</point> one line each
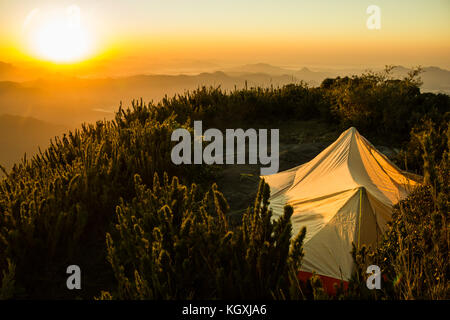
<point>434,79</point>
<point>52,98</point>
<point>63,102</point>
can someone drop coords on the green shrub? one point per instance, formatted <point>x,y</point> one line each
<point>410,158</point>
<point>7,287</point>
<point>56,207</point>
<point>413,255</point>
<point>169,244</point>
<point>381,106</point>
<point>217,108</point>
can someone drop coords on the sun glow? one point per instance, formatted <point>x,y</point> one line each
<point>61,37</point>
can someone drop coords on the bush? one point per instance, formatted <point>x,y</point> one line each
<point>7,288</point>
<point>218,108</point>
<point>413,256</point>
<point>410,158</point>
<point>56,208</point>
<point>169,244</point>
<point>381,106</point>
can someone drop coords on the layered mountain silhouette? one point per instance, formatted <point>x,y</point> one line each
<point>304,74</point>
<point>52,98</point>
<point>43,102</point>
<point>434,79</point>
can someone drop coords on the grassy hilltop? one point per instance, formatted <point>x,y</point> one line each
<point>107,197</point>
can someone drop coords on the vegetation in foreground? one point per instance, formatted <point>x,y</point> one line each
<point>413,255</point>
<point>94,198</point>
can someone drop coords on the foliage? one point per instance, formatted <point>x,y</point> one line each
<point>411,157</point>
<point>217,108</point>
<point>169,244</point>
<point>413,255</point>
<point>7,288</point>
<point>379,105</point>
<point>57,207</point>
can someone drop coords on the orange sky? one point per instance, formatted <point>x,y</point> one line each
<point>173,36</point>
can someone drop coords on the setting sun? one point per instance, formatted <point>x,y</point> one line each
<point>61,43</point>
<point>60,37</point>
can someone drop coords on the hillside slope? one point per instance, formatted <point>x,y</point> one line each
<point>20,135</point>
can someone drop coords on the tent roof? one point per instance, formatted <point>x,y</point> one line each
<point>344,195</point>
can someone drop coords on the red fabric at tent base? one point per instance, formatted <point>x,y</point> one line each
<point>328,282</point>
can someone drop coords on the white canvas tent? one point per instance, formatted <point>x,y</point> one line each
<point>344,195</point>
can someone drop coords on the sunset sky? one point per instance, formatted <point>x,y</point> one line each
<point>165,36</point>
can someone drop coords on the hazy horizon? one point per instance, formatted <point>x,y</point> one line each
<point>66,62</point>
<point>133,37</point>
